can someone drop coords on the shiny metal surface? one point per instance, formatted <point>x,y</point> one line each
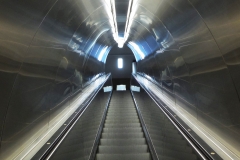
<point>196,63</point>
<point>51,49</point>
<point>79,142</point>
<point>156,117</point>
<point>46,59</point>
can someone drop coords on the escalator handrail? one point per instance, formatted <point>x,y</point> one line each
<point>99,133</point>
<point>49,152</point>
<point>194,144</point>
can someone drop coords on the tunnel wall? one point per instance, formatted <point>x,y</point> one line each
<point>112,62</point>
<point>44,63</point>
<point>197,62</point>
<point>49,50</point>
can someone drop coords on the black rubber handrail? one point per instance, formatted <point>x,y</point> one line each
<point>145,131</point>
<point>49,152</point>
<point>99,133</point>
<point>195,145</point>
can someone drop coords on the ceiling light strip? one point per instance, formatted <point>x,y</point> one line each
<point>127,26</point>
<point>111,10</point>
<point>113,21</point>
<point>130,17</point>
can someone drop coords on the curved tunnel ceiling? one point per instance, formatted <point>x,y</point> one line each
<point>85,25</point>
<point>152,29</point>
<point>50,49</point>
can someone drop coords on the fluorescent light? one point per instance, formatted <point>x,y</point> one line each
<point>120,63</point>
<point>111,11</point>
<point>132,8</point>
<point>121,87</point>
<point>120,45</point>
<point>121,42</point>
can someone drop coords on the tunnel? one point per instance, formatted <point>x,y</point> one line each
<point>59,79</point>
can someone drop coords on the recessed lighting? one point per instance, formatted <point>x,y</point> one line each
<point>48,143</point>
<point>212,153</point>
<point>120,63</point>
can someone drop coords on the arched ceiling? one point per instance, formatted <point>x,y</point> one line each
<point>87,27</point>
<point>95,34</point>
<point>146,26</point>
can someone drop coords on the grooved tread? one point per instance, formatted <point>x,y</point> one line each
<point>122,137</point>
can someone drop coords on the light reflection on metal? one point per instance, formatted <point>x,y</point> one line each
<point>138,50</point>
<point>145,19</point>
<point>107,89</point>
<point>65,59</point>
<point>135,88</point>
<point>103,51</point>
<point>199,128</point>
<point>95,40</point>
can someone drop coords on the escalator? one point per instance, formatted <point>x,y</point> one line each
<point>168,142</point>
<point>122,136</point>
<point>121,130</point>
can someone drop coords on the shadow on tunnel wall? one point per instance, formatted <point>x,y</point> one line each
<point>197,63</point>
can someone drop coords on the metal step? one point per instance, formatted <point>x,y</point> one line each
<point>168,142</point>
<point>142,156</point>
<point>122,137</point>
<point>129,149</point>
<point>122,142</point>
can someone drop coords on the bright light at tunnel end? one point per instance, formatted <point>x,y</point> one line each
<point>120,63</point>
<point>121,42</point>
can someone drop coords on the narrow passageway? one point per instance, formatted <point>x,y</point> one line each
<point>122,136</point>
<point>53,51</point>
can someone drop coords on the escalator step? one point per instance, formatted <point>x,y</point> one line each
<point>123,129</point>
<point>122,137</point>
<point>113,125</point>
<point>122,142</point>
<point>123,149</point>
<point>142,156</point>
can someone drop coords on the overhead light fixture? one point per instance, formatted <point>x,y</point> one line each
<point>111,11</point>
<point>120,45</point>
<point>121,42</point>
<point>132,8</point>
<point>112,20</point>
